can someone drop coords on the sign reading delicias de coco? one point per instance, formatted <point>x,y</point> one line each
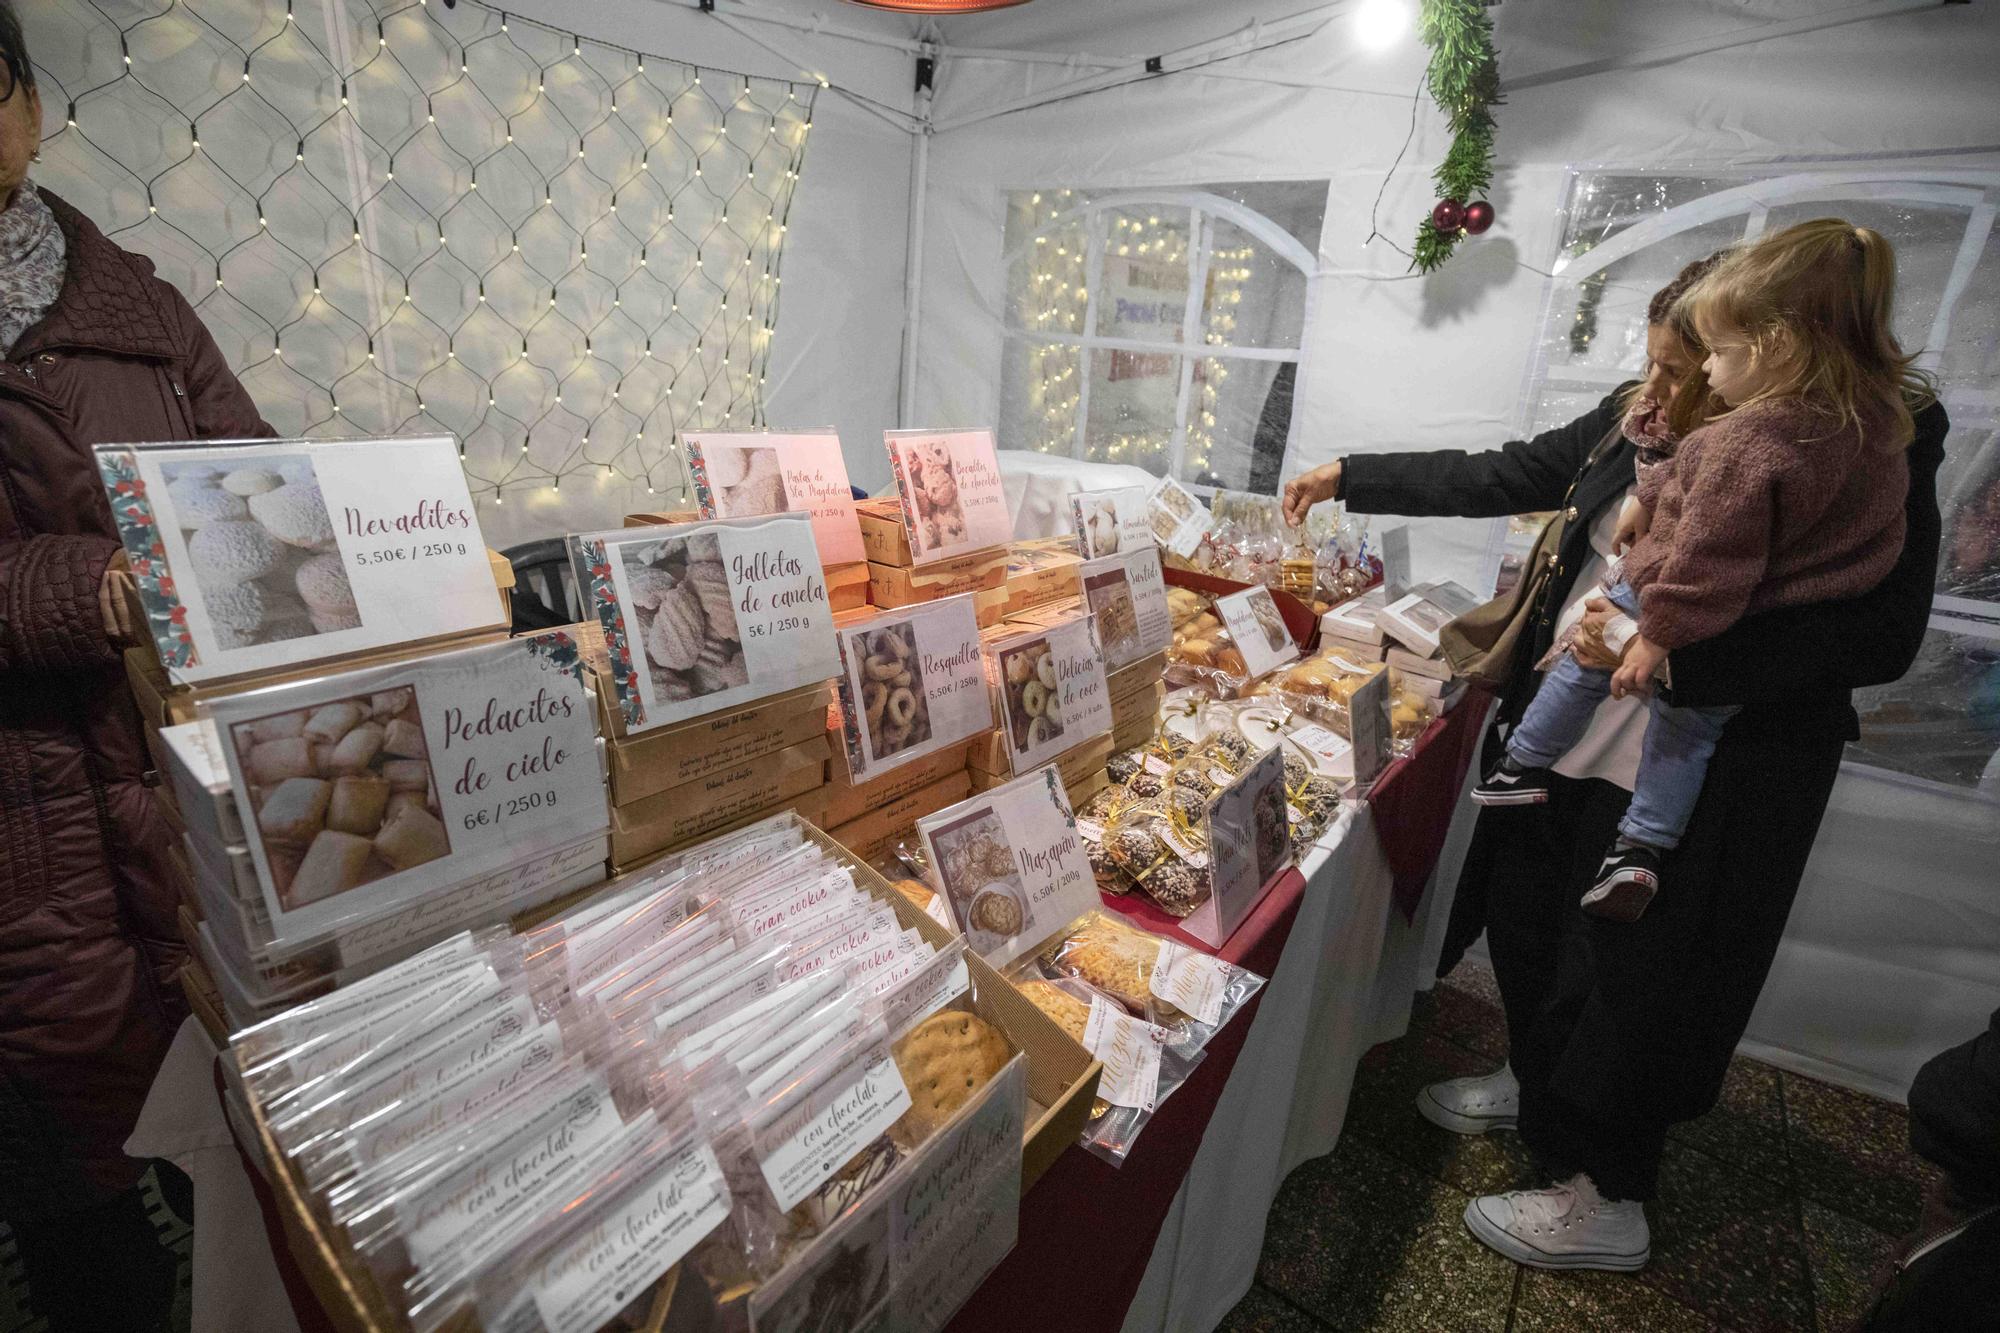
<point>1012,863</point>
<point>747,475</point>
<point>700,617</point>
<point>259,555</point>
<point>369,792</point>
<point>1051,692</point>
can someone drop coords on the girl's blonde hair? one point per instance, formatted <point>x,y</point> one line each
<point>1814,303</point>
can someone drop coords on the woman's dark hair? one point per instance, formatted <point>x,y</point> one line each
<point>1661,306</point>
<point>14,47</point>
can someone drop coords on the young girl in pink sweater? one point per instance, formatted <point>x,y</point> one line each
<point>1792,494</point>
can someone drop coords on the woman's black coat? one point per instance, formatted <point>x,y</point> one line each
<point>1632,1026</point>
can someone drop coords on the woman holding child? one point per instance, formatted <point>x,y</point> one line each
<point>1755,523</point>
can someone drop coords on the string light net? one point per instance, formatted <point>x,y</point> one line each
<point>419,217</point>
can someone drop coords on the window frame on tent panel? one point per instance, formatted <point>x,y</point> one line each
<point>1719,199</point>
<point>1203,207</point>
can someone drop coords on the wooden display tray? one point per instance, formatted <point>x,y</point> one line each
<point>846,584</point>
<point>1062,1083</point>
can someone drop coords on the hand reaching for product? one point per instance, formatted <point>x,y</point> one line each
<point>1308,489</point>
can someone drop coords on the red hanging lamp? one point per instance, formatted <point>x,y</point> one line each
<point>938,6</point>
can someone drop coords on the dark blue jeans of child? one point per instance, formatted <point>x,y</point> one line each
<point>1672,763</point>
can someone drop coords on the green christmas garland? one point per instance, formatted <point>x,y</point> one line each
<point>1464,79</point>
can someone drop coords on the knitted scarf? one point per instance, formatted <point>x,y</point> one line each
<point>31,264</point>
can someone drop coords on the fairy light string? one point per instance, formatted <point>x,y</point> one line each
<point>430,218</point>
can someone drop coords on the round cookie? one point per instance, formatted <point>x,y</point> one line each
<point>247,481</point>
<point>240,610</point>
<point>322,583</point>
<point>198,502</point>
<point>944,1060</point>
<point>230,553</point>
<point>294,513</point>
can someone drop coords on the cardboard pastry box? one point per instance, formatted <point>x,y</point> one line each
<point>710,804</point>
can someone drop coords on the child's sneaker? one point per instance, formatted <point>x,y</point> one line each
<point>1626,882</point>
<point>1510,784</point>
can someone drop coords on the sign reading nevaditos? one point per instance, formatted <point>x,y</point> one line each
<point>700,617</point>
<point>267,554</point>
<point>430,792</point>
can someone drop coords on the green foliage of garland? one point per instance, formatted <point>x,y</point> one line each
<point>1464,79</point>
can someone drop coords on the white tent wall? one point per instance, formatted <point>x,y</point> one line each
<point>835,357</point>
<point>1395,362</point>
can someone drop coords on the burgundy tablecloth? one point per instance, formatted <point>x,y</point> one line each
<point>1087,1227</point>
<point>1414,798</point>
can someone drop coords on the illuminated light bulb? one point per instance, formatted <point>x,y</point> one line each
<point>1380,22</point>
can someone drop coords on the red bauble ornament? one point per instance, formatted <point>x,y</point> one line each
<point>1478,217</point>
<point>1447,214</point>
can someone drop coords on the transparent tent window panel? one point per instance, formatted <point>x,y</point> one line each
<point>1252,297</point>
<point>1108,292</point>
<point>1941,722</point>
<point>1240,415</point>
<point>1134,402</point>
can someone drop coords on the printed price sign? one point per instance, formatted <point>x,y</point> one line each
<point>1259,630</point>
<point>912,684</point>
<point>699,617</point>
<point>1249,842</point>
<point>1127,595</point>
<point>373,790</point>
<point>1111,522</point>
<point>949,482</point>
<point>748,475</point>
<point>1051,688</point>
<point>280,553</point>
<point>1013,865</point>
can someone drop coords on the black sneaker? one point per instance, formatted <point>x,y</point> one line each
<point>1626,883</point>
<point>1508,785</point>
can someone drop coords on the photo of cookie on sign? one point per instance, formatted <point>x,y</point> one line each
<point>892,690</point>
<point>976,863</point>
<point>1033,699</point>
<point>687,616</point>
<point>343,793</point>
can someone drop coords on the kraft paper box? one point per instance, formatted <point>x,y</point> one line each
<point>879,829</point>
<point>1038,573</point>
<point>843,799</point>
<point>949,484</point>
<point>269,555</point>
<point>652,761</point>
<point>389,804</point>
<point>912,683</point>
<point>1145,672</point>
<point>745,475</point>
<point>1140,708</point>
<point>712,803</point>
<point>1075,767</point>
<point>702,617</point>
<point>846,582</point>
<point>902,585</point>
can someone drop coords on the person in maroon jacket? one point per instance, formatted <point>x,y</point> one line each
<point>93,349</point>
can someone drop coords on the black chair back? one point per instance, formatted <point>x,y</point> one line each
<point>545,593</point>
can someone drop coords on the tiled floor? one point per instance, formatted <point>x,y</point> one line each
<point>1774,1208</point>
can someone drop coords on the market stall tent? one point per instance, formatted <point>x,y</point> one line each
<point>1171,234</point>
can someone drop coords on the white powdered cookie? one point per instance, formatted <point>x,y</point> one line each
<point>413,836</point>
<point>295,513</point>
<point>334,863</point>
<point>322,583</point>
<point>242,608</point>
<point>198,503</point>
<point>329,722</point>
<point>295,811</point>
<point>229,553</point>
<point>251,481</point>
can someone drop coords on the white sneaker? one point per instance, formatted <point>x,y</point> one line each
<point>1473,1105</point>
<point>1569,1226</point>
